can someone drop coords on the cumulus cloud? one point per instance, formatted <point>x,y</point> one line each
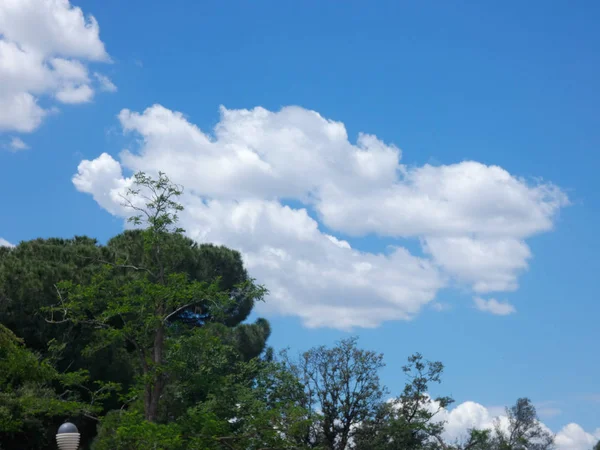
<point>5,243</point>
<point>472,220</point>
<point>494,306</point>
<point>458,422</point>
<point>574,437</point>
<point>489,264</point>
<point>43,47</point>
<point>470,414</point>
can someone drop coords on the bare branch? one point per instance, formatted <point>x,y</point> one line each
<point>127,266</point>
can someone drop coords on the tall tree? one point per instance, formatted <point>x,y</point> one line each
<point>343,382</point>
<point>204,263</point>
<point>407,422</point>
<point>137,304</point>
<point>217,401</point>
<point>525,432</point>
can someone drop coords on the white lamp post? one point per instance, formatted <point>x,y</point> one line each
<point>68,437</point>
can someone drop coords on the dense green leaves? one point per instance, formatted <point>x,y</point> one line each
<point>33,395</point>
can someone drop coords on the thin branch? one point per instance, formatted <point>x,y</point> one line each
<point>441,442</point>
<point>64,309</point>
<point>126,266</point>
<point>178,310</point>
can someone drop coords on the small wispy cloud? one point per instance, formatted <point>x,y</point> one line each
<point>16,145</point>
<point>437,306</point>
<point>106,84</point>
<point>493,306</point>
<point>547,409</point>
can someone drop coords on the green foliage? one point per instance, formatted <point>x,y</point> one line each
<point>407,422</point>
<point>255,406</point>
<point>258,406</point>
<point>28,274</point>
<point>343,382</point>
<point>32,395</point>
<point>128,430</point>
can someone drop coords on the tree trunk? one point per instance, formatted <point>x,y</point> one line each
<point>154,388</point>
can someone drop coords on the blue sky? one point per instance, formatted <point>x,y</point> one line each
<point>503,84</point>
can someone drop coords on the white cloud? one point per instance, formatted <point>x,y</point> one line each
<point>547,410</point>
<point>52,27</point>
<point>16,144</point>
<point>20,112</point>
<point>489,264</point>
<point>43,47</point>
<point>471,219</point>
<point>574,437</point>
<point>105,83</point>
<point>437,306</point>
<point>5,243</point>
<point>75,94</point>
<point>309,274</point>
<point>470,414</point>
<point>458,421</point>
<point>494,306</point>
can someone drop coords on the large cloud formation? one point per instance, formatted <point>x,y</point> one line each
<point>268,183</point>
<point>44,48</point>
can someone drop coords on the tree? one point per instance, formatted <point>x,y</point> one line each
<point>524,429</point>
<point>244,404</point>
<point>258,406</point>
<point>33,396</point>
<point>139,305</point>
<point>30,272</point>
<point>28,277</point>
<point>343,382</point>
<point>407,422</point>
<point>597,446</point>
<point>204,262</point>
<point>477,440</point>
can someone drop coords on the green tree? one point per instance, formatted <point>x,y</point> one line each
<point>28,277</point>
<point>597,446</point>
<point>477,440</point>
<point>34,397</point>
<point>245,404</point>
<point>525,431</point>
<point>343,383</point>
<point>407,422</point>
<point>205,262</point>
<point>139,304</point>
<point>257,406</point>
